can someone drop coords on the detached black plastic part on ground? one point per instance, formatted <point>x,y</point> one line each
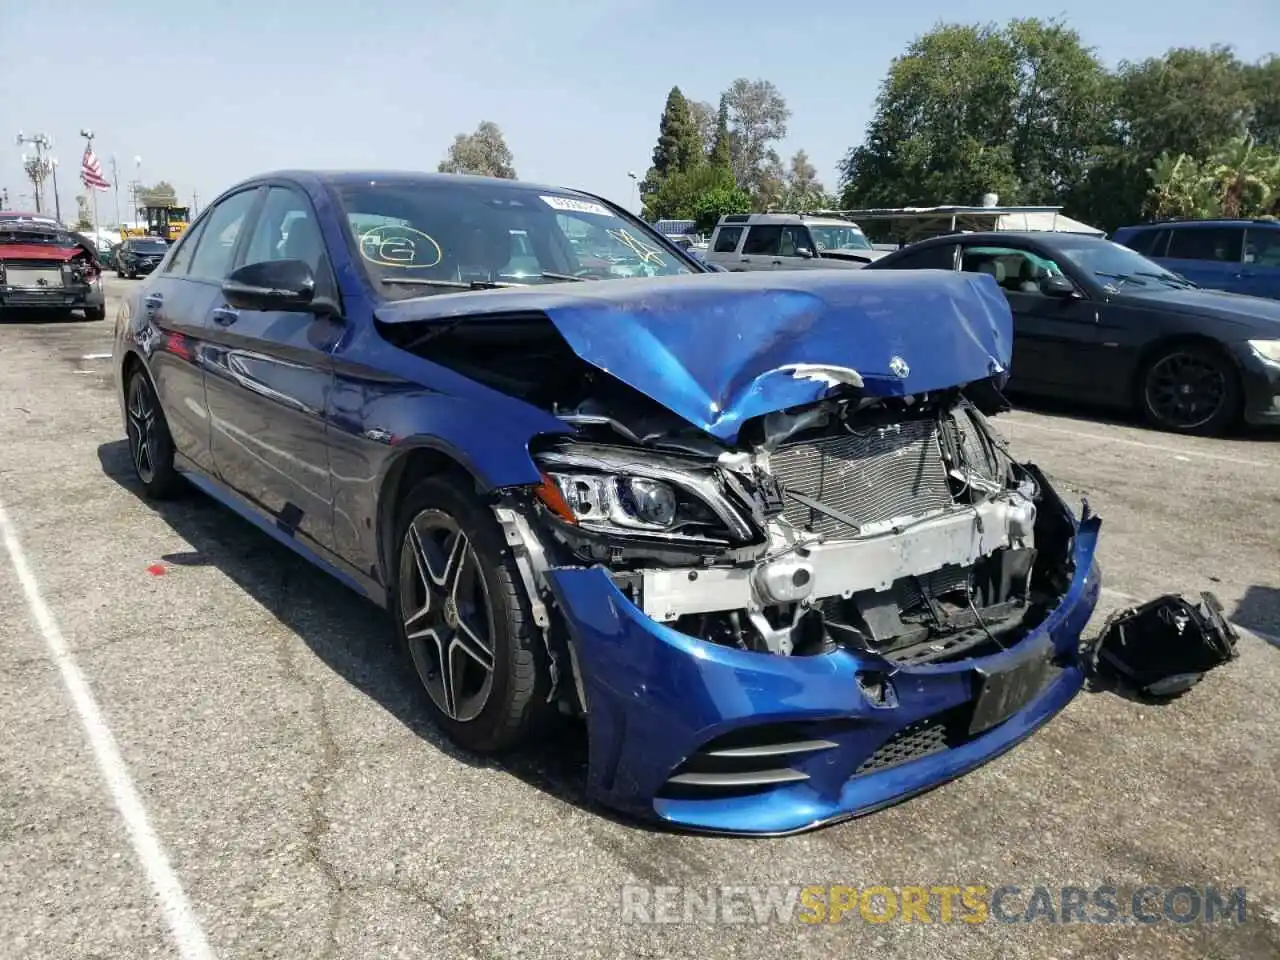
<point>1162,648</point>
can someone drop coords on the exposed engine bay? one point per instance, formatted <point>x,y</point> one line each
<point>896,525</point>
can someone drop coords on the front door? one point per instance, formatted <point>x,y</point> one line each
<point>1209,256</point>
<point>1261,268</point>
<point>1057,341</point>
<point>269,377</point>
<point>761,249</point>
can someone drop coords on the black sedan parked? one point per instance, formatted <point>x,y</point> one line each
<point>1096,322</point>
<point>138,256</point>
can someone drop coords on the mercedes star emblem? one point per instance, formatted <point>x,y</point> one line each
<point>898,367</point>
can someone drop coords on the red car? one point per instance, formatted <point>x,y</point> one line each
<point>45,266</point>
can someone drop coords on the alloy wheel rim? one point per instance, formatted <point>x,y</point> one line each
<point>141,428</point>
<point>1185,390</point>
<point>447,616</point>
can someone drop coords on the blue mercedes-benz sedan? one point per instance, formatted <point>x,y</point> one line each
<point>754,528</point>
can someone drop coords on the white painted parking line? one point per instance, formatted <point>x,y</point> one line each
<point>183,923</point>
<point>96,356</point>
<point>1107,438</point>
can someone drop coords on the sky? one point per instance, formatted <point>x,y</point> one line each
<point>207,94</point>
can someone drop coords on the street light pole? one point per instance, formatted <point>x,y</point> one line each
<point>115,184</point>
<point>57,204</point>
<point>88,148</point>
<point>37,167</point>
<point>635,189</point>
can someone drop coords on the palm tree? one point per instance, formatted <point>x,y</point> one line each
<point>1245,177</point>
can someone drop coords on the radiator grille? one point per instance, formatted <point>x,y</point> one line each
<point>876,475</point>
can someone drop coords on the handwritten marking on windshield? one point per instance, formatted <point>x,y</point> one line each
<point>646,253</point>
<point>399,246</point>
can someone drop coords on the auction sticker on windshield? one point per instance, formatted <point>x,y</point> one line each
<point>569,204</point>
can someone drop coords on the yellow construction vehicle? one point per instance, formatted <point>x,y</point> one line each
<point>166,221</point>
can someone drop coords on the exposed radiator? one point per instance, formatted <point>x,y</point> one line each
<point>879,474</point>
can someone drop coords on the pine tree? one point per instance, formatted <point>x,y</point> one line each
<point>722,151</point>
<point>678,149</point>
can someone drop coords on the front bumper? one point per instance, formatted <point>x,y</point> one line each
<point>1261,381</point>
<point>657,698</point>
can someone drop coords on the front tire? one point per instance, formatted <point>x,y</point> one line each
<point>1190,389</point>
<point>94,314</point>
<point>463,617</point>
<point>150,444</point>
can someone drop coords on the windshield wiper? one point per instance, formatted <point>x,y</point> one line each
<point>564,276</point>
<point>1122,277</point>
<point>1167,278</point>
<point>451,284</point>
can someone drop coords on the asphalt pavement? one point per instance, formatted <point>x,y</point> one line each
<point>211,750</point>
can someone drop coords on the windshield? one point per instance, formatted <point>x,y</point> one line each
<point>414,238</point>
<point>149,246</point>
<point>839,237</point>
<point>1113,265</point>
<point>12,233</point>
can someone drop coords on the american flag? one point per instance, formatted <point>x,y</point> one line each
<point>91,171</point>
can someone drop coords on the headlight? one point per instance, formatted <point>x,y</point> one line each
<point>1266,349</point>
<point>625,491</point>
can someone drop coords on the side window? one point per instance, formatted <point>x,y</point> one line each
<point>1016,271</point>
<point>1149,243</point>
<point>286,230</point>
<point>795,239</point>
<point>727,239</point>
<point>212,259</point>
<point>763,241</point>
<point>181,258</point>
<point>941,257</point>
<point>1262,247</point>
<point>1207,243</point>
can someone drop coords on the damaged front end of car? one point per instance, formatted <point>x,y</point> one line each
<point>821,609</point>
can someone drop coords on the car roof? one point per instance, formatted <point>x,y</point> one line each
<point>750,219</point>
<point>1194,224</point>
<point>345,178</point>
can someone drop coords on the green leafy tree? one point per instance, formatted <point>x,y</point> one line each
<point>482,153</point>
<point>703,116</point>
<point>679,196</point>
<point>159,195</point>
<point>83,220</point>
<point>714,203</point>
<point>974,108</point>
<point>1262,83</point>
<point>757,119</point>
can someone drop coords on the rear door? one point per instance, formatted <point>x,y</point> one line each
<point>761,249</point>
<point>723,249</point>
<point>1261,268</point>
<point>174,307</point>
<point>1209,255</point>
<point>269,376</point>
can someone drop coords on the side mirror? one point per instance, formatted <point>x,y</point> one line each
<point>272,285</point>
<point>1056,285</point>
<point>804,252</point>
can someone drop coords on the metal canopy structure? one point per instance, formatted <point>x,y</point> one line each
<point>903,225</point>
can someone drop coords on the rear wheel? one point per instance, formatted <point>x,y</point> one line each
<point>462,615</point>
<point>150,444</point>
<point>1191,389</point>
<point>94,314</point>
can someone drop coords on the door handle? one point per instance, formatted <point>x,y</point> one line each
<point>746,259</point>
<point>225,316</point>
<point>777,263</point>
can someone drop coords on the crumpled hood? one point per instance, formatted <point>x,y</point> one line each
<point>720,349</point>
